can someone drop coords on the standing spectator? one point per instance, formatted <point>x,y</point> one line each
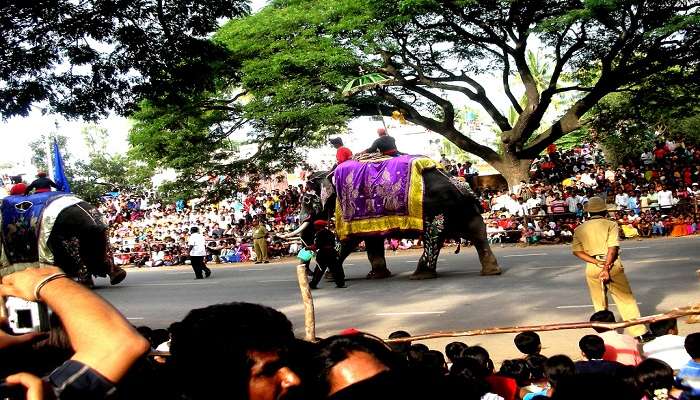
<point>198,252</point>
<point>260,242</point>
<point>665,198</point>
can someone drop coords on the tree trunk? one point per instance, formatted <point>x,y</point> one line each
<point>513,169</point>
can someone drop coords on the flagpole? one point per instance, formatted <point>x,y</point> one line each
<point>49,156</point>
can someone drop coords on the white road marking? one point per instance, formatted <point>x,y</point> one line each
<point>250,269</point>
<point>409,313</point>
<point>135,318</point>
<point>411,261</point>
<point>636,248</point>
<point>173,284</point>
<point>526,255</point>
<point>585,306</point>
<point>656,260</point>
<point>349,265</point>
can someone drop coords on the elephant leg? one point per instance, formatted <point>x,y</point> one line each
<point>375,254</point>
<point>433,237</point>
<point>477,235</point>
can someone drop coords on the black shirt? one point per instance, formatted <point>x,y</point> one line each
<point>385,144</point>
<point>41,183</point>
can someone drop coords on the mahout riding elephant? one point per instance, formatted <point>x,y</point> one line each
<point>60,229</point>
<point>450,210</point>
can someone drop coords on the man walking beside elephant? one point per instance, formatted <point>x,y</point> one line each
<point>326,256</point>
<point>198,251</point>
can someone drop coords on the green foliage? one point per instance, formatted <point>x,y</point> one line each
<point>41,145</point>
<point>628,123</point>
<point>110,53</point>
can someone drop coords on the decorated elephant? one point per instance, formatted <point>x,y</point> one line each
<point>56,228</point>
<point>399,197</point>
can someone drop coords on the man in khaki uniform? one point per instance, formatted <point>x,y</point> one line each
<point>596,241</point>
<point>260,242</point>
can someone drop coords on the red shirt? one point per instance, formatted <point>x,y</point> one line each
<point>18,189</point>
<point>343,154</point>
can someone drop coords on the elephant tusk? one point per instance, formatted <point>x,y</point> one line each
<point>299,230</point>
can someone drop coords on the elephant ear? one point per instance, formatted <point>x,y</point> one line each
<point>327,190</point>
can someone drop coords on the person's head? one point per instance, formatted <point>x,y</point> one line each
<point>336,142</point>
<point>557,368</point>
<point>454,350</point>
<point>602,316</point>
<point>516,369</point>
<point>482,359</point>
<point>665,327</point>
<point>592,347</point>
<point>41,174</point>
<point>692,345</point>
<point>401,347</point>
<point>381,131</point>
<point>346,360</point>
<point>248,343</point>
<point>194,229</point>
<point>654,376</point>
<point>535,364</point>
<point>528,342</point>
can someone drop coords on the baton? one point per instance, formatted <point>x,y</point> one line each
<point>604,288</point>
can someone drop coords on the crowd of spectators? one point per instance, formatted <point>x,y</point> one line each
<point>146,233</point>
<point>249,351</point>
<point>653,195</point>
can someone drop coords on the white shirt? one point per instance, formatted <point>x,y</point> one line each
<point>668,348</point>
<point>665,198</point>
<point>198,245</point>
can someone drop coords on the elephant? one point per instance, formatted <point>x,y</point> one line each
<point>60,229</point>
<point>450,210</point>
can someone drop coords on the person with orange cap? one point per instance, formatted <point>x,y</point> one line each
<point>41,184</point>
<point>326,255</point>
<point>384,144</point>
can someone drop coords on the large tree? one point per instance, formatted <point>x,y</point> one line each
<point>434,51</point>
<point>87,58</point>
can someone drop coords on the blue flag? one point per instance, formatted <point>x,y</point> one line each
<point>59,172</point>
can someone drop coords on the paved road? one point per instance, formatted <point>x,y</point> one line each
<point>541,284</point>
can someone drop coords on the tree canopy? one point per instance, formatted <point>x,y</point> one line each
<point>295,56</point>
<point>85,59</point>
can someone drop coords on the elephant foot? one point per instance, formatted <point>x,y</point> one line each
<point>379,274</point>
<point>419,275</point>
<point>116,276</point>
<point>493,271</point>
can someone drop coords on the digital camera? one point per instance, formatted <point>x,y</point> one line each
<point>26,316</point>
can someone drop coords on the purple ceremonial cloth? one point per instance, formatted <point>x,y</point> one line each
<point>373,189</point>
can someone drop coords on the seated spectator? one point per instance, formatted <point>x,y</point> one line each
<point>667,345</point>
<point>358,366</point>
<point>453,351</point>
<point>689,376</point>
<point>528,343</point>
<point>250,345</point>
<point>592,348</point>
<point>655,379</point>
<point>105,344</point>
<point>618,347</point>
<point>556,369</point>
<point>538,381</point>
